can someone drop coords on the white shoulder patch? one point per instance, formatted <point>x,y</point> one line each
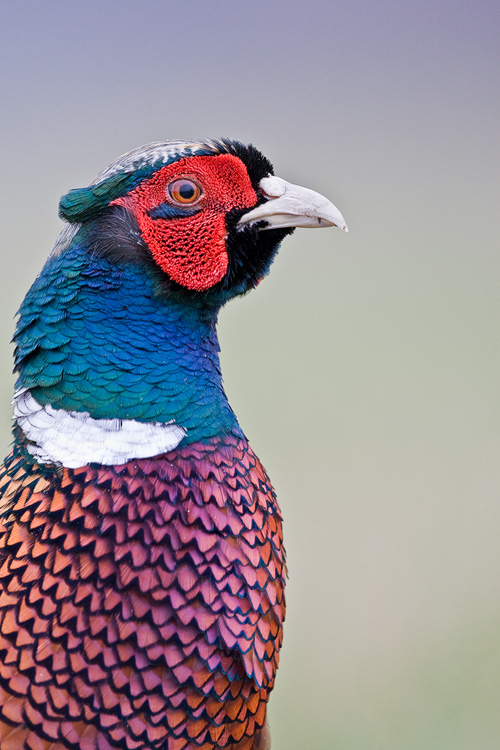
<point>75,439</point>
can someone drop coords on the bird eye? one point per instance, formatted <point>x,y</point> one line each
<point>184,191</point>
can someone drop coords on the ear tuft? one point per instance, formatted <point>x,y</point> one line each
<point>81,204</point>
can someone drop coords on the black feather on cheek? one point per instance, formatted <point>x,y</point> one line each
<point>114,234</point>
<point>250,252</point>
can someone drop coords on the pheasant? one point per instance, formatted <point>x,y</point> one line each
<point>142,567</point>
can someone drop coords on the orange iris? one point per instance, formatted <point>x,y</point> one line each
<point>184,191</point>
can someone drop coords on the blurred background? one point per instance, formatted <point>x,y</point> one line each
<point>365,369</point>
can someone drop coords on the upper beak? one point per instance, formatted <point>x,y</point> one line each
<point>290,205</point>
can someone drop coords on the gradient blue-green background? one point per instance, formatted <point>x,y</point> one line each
<point>365,369</point>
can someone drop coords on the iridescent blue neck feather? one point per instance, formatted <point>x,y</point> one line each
<point>101,337</point>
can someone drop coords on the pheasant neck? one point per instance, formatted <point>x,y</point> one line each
<point>104,338</point>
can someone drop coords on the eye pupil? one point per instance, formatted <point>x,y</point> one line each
<point>184,191</point>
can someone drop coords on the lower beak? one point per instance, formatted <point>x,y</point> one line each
<point>290,205</point>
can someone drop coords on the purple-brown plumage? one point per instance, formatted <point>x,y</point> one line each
<point>128,591</point>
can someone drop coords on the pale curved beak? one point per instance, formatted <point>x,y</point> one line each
<point>290,205</point>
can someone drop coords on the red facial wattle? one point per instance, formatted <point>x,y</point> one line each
<point>191,249</point>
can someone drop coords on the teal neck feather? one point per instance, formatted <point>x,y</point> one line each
<point>102,338</point>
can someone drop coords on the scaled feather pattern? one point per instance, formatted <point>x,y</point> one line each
<point>142,603</point>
